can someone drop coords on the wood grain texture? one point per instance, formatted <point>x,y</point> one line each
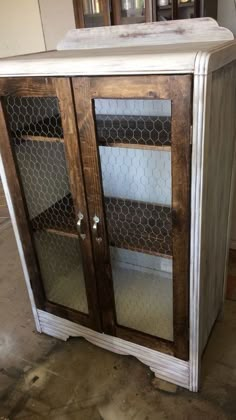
<point>116,12</point>
<point>79,13</point>
<point>74,168</point>
<point>178,89</point>
<point>181,157</point>
<point>27,87</point>
<point>218,162</point>
<point>212,154</point>
<point>154,33</point>
<point>105,10</point>
<point>91,167</point>
<point>62,89</point>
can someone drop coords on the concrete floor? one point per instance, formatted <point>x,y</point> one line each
<point>43,378</point>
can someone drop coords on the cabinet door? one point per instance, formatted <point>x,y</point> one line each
<point>135,143</point>
<point>41,155</point>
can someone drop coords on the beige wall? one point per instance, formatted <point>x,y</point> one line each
<point>57,18</point>
<point>227,14</point>
<point>20,27</point>
<point>227,18</point>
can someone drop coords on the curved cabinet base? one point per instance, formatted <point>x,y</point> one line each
<point>164,366</point>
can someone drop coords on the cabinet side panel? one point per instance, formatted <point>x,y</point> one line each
<point>217,178</point>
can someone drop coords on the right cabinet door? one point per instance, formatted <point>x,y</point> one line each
<point>135,142</point>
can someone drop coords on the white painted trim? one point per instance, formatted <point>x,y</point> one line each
<point>163,59</point>
<point>199,104</point>
<point>164,366</point>
<point>19,244</point>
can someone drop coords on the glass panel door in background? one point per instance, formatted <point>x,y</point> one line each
<point>134,141</point>
<point>37,142</point>
<point>164,10</point>
<point>186,9</point>
<point>94,13</point>
<point>132,11</point>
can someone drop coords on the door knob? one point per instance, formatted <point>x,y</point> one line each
<point>79,225</point>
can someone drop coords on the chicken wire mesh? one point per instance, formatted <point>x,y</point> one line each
<point>150,131</point>
<point>137,187</point>
<point>36,136</point>
<point>142,122</point>
<point>136,181</point>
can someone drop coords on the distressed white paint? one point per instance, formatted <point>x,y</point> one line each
<point>164,366</point>
<point>163,59</point>
<point>154,33</point>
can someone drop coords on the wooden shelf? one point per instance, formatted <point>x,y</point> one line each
<point>42,138</point>
<point>59,218</point>
<point>139,226</point>
<point>133,131</point>
<point>135,225</point>
<point>137,146</point>
<point>62,233</point>
<point>47,129</point>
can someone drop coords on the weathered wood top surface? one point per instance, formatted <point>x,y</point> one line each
<point>163,48</point>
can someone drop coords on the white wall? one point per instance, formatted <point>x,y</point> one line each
<point>227,18</point>
<point>20,27</point>
<point>57,18</point>
<point>227,14</point>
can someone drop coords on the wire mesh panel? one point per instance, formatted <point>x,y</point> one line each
<point>36,136</point>
<point>134,140</point>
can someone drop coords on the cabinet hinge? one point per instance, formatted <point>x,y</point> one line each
<point>191,134</point>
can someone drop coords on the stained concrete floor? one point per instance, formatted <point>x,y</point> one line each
<point>44,378</point>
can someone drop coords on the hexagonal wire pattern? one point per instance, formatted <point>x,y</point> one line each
<point>150,131</point>
<point>137,196</point>
<point>37,140</point>
<point>136,182</point>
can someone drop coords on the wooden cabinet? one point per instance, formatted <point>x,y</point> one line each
<point>109,200</point>
<point>91,13</point>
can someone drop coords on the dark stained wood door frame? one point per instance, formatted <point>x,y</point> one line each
<point>60,87</point>
<point>178,89</point>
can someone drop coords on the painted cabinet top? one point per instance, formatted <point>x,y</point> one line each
<point>196,46</point>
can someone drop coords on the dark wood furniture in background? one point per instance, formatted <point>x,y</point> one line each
<point>92,13</point>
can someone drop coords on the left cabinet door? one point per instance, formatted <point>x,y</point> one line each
<point>40,152</point>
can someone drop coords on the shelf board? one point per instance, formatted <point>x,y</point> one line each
<point>136,146</point>
<point>135,225</point>
<point>42,138</point>
<point>59,217</point>
<point>139,226</point>
<point>133,130</point>
<point>62,233</point>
